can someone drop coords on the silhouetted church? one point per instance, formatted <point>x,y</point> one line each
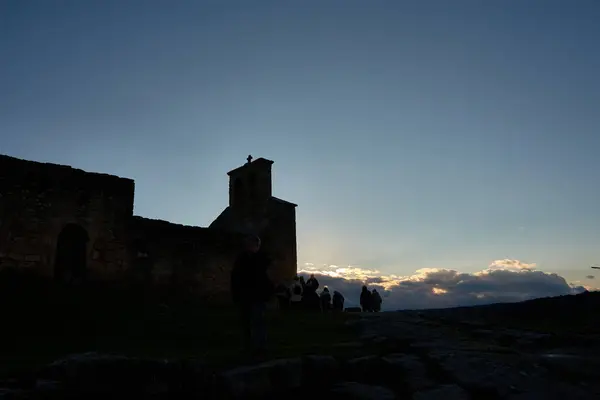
<point>69,224</point>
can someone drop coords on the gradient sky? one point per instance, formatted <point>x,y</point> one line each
<point>412,134</point>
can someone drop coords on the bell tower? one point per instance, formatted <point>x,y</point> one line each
<point>250,187</point>
<point>254,210</point>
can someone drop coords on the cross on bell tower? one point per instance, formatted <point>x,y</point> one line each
<point>249,159</point>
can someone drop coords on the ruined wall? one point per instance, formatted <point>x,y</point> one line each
<point>37,200</point>
<point>186,258</point>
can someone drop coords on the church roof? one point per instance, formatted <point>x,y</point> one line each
<point>278,200</point>
<point>256,162</point>
<point>226,220</point>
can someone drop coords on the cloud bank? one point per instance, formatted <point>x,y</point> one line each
<point>503,281</point>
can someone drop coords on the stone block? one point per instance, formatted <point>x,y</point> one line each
<point>320,370</point>
<point>490,374</point>
<point>263,379</point>
<point>365,369</point>
<point>358,391</point>
<point>411,368</point>
<point>5,263</point>
<point>446,392</point>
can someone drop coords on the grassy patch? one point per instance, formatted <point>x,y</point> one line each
<point>41,326</point>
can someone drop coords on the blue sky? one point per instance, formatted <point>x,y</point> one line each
<point>412,134</point>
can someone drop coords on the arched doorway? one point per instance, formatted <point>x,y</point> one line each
<point>71,254</point>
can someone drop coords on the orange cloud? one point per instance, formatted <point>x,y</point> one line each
<point>511,264</point>
<point>502,281</point>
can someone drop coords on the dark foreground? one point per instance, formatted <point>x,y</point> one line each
<point>97,344</point>
<point>43,323</point>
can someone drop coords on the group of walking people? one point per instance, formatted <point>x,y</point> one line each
<point>302,295</point>
<point>252,289</point>
<point>370,301</point>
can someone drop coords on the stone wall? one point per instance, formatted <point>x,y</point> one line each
<point>277,230</point>
<point>186,258</point>
<point>279,238</point>
<point>37,200</point>
<point>250,186</point>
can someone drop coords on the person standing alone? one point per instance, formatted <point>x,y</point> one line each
<point>251,289</point>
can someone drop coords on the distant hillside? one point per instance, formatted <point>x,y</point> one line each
<point>569,312</point>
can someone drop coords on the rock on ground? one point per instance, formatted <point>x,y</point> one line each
<point>263,379</point>
<point>359,391</point>
<point>444,392</point>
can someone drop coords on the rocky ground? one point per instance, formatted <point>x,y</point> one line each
<point>406,355</point>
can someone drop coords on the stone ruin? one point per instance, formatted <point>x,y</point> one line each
<point>69,225</point>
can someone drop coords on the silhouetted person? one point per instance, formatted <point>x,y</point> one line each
<point>376,300</point>
<point>303,284</point>
<point>283,296</point>
<point>366,299</point>
<point>311,300</point>
<point>338,301</point>
<point>251,288</point>
<point>325,299</point>
<point>296,295</point>
<point>312,282</point>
